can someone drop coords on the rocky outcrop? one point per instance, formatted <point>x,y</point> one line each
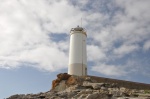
<point>60,77</point>
<point>85,87</point>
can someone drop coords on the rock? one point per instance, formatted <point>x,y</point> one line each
<point>41,96</point>
<point>122,89</point>
<point>92,85</point>
<point>63,76</point>
<point>17,96</point>
<point>88,79</point>
<point>87,85</point>
<point>62,94</point>
<point>88,91</point>
<point>69,89</point>
<point>84,87</point>
<point>54,97</point>
<point>114,85</point>
<point>97,85</point>
<point>76,96</point>
<point>72,81</point>
<point>115,93</point>
<point>71,94</point>
<point>60,77</point>
<point>82,96</point>
<point>103,88</point>
<point>61,86</point>
<point>55,83</point>
<point>97,96</point>
<point>144,95</point>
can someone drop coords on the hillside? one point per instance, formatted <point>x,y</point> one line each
<point>90,87</point>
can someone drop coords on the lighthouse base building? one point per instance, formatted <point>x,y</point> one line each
<point>77,52</point>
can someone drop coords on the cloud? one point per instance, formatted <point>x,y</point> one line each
<point>125,49</point>
<point>25,33</point>
<point>95,53</point>
<point>46,57</point>
<point>123,36</point>
<point>26,29</point>
<point>115,30</point>
<point>132,66</point>
<point>110,70</point>
<point>146,45</point>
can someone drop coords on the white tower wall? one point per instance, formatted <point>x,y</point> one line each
<point>77,52</point>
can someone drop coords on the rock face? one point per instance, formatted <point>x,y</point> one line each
<point>60,77</point>
<point>85,87</point>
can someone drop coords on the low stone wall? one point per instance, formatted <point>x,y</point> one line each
<point>122,83</point>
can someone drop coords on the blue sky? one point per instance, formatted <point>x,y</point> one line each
<point>34,41</point>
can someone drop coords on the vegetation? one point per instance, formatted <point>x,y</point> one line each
<point>147,91</point>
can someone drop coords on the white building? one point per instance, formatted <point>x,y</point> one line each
<point>77,52</point>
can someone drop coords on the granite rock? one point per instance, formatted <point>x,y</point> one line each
<point>84,87</point>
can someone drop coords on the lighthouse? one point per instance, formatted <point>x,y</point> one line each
<point>77,52</point>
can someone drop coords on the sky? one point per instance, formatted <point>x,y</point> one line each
<point>34,41</point>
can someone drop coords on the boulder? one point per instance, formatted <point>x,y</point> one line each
<point>71,94</point>
<point>71,81</point>
<point>63,76</point>
<point>61,86</point>
<point>17,96</point>
<point>97,96</point>
<point>89,79</point>
<point>92,85</point>
<point>60,77</point>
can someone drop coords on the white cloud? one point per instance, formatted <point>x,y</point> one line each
<point>125,49</point>
<point>110,70</point>
<point>131,25</point>
<point>47,57</point>
<point>136,8</point>
<point>26,27</point>
<point>95,53</point>
<point>128,28</point>
<point>105,39</point>
<point>62,17</point>
<point>146,45</point>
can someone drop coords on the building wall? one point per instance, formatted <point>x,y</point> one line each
<point>77,54</point>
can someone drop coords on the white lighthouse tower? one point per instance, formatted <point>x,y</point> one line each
<point>77,52</point>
